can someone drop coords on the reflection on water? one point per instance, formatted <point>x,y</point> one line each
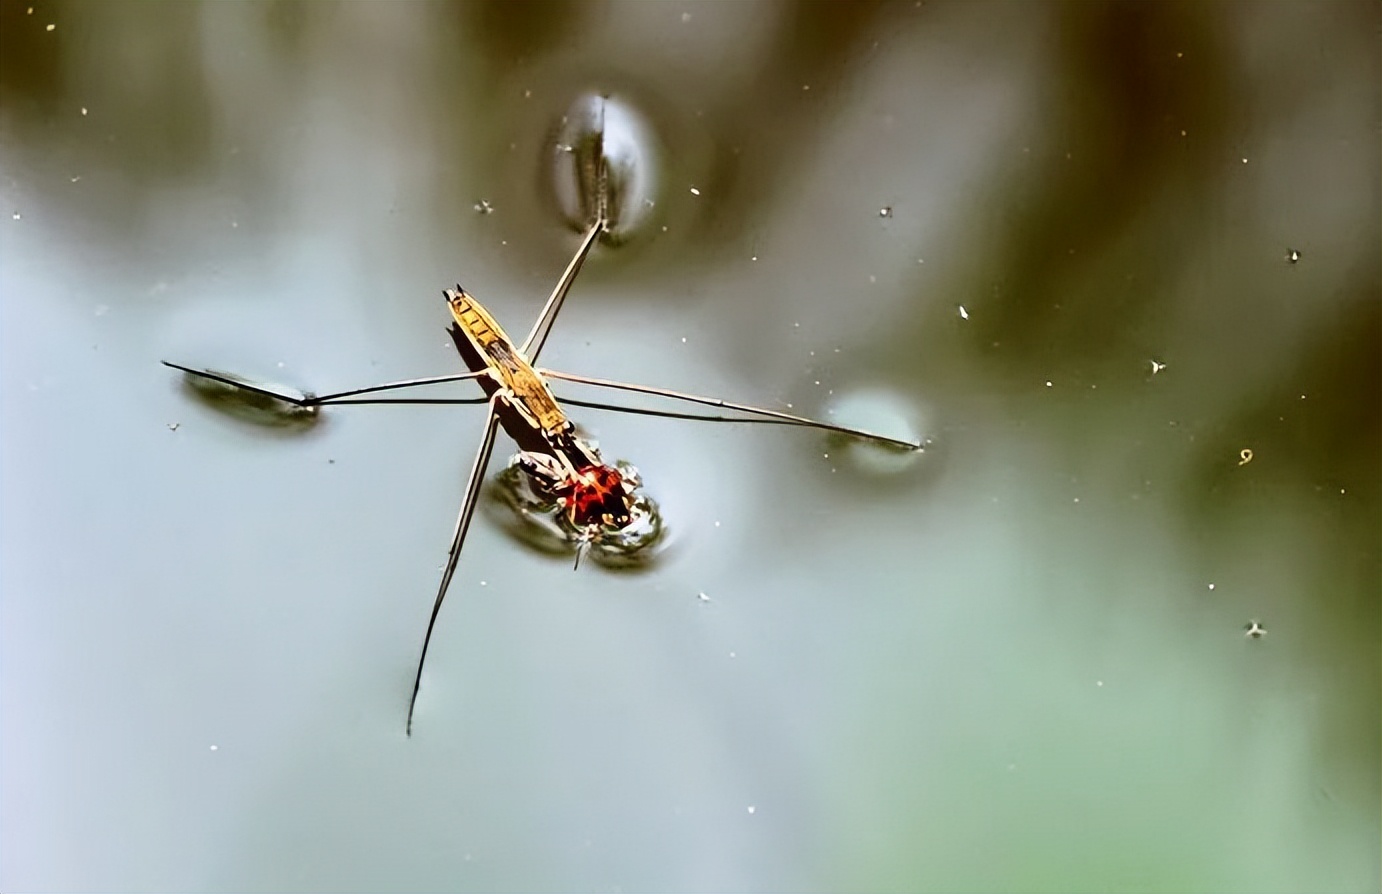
<point>252,404</point>
<point>605,128</point>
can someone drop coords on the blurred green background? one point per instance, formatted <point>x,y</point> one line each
<point>1093,250</point>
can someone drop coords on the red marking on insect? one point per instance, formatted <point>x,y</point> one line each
<point>595,495</point>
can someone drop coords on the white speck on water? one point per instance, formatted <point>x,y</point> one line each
<point>1098,682</point>
<point>215,747</point>
<point>686,17</point>
<point>695,191</point>
<point>754,258</point>
<point>1292,256</point>
<point>83,110</point>
<point>1048,383</point>
<point>484,583</point>
<point>483,207</point>
<point>683,339</point>
<point>16,215</point>
<point>964,314</point>
<point>1157,367</point>
<point>733,655</point>
<point>1254,630</point>
<point>885,211</point>
<point>52,28</point>
<point>74,179</point>
<point>717,524</point>
<point>702,597</point>
<point>1211,586</point>
<point>752,809</point>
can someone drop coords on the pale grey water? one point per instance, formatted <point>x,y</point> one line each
<point>1016,665</point>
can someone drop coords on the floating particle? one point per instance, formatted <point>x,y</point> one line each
<point>174,426</point>
<point>1244,456</point>
<point>1157,367</point>
<point>885,211</point>
<point>1254,630</point>
<point>695,191</point>
<point>483,207</point>
<point>1292,256</point>
<point>964,314</point>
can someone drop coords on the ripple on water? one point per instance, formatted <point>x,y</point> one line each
<point>882,412</point>
<point>597,127</point>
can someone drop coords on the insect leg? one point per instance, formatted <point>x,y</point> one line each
<point>313,400</point>
<point>472,492</point>
<point>532,345</point>
<point>730,405</point>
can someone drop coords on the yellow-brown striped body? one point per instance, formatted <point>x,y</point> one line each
<point>511,369</point>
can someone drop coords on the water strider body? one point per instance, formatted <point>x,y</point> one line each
<point>596,499</point>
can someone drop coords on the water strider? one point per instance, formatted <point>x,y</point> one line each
<point>597,500</point>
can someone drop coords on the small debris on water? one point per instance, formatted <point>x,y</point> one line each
<point>1211,586</point>
<point>695,192</point>
<point>702,597</point>
<point>964,314</point>
<point>174,426</point>
<point>1244,456</point>
<point>484,207</point>
<point>885,211</point>
<point>1157,367</point>
<point>215,747</point>
<point>752,809</point>
<point>1292,256</point>
<point>1254,630</point>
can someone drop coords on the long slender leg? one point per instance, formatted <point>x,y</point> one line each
<point>405,383</point>
<point>730,405</point>
<point>313,400</point>
<point>672,414</point>
<point>472,491</point>
<point>532,345</point>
